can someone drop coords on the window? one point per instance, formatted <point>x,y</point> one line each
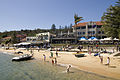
<point>94,26</point>
<point>89,32</point>
<point>99,32</point>
<point>79,33</point>
<point>102,32</point>
<point>93,32</point>
<point>83,32</point>
<point>83,27</point>
<point>78,28</point>
<point>99,26</point>
<point>89,26</point>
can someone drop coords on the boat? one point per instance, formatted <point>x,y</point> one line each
<point>19,52</point>
<point>79,55</point>
<point>22,57</point>
<point>96,54</point>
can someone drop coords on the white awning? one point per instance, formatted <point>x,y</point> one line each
<point>23,43</point>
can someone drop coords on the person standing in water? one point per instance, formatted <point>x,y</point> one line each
<point>44,57</point>
<point>101,59</point>
<point>68,68</point>
<point>51,54</point>
<point>55,61</point>
<point>52,62</point>
<point>56,53</point>
<point>108,60</point>
<point>31,51</point>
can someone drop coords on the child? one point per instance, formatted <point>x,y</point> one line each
<point>68,68</point>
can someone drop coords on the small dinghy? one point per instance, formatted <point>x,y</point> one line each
<point>79,55</point>
<point>96,54</point>
<point>22,57</point>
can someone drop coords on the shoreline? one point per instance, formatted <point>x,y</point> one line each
<point>84,64</point>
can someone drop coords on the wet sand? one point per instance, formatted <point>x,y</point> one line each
<point>88,63</point>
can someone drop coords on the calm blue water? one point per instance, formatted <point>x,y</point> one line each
<point>39,70</point>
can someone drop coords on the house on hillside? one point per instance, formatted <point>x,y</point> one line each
<point>20,37</point>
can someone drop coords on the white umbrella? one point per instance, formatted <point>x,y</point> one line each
<point>89,39</point>
<point>116,39</point>
<point>95,39</point>
<point>107,39</point>
<point>82,39</point>
<point>92,38</point>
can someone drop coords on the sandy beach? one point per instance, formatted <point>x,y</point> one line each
<point>88,63</point>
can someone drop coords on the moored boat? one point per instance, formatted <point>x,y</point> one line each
<point>19,52</point>
<point>79,55</point>
<point>22,57</point>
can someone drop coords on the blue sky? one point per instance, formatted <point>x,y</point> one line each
<point>31,14</point>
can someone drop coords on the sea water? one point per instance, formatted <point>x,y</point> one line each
<point>39,70</point>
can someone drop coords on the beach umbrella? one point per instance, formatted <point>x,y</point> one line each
<point>82,39</point>
<point>107,39</point>
<point>92,38</point>
<point>116,39</point>
<point>89,39</point>
<point>101,39</point>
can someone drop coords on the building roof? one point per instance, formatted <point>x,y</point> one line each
<point>19,35</point>
<point>7,37</point>
<point>84,23</point>
<point>23,40</point>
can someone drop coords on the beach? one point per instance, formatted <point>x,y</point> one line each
<point>89,63</point>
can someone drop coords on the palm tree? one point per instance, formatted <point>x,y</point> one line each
<point>76,20</point>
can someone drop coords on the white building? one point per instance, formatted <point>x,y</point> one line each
<point>30,39</point>
<point>47,36</point>
<point>41,37</point>
<point>89,29</point>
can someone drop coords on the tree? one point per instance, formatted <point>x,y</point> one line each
<point>77,19</point>
<point>111,21</point>
<point>53,28</point>
<point>65,28</point>
<point>60,29</point>
<point>14,39</point>
<point>70,28</point>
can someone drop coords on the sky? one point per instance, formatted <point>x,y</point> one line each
<point>33,14</point>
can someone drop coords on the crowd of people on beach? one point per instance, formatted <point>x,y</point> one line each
<point>54,60</point>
